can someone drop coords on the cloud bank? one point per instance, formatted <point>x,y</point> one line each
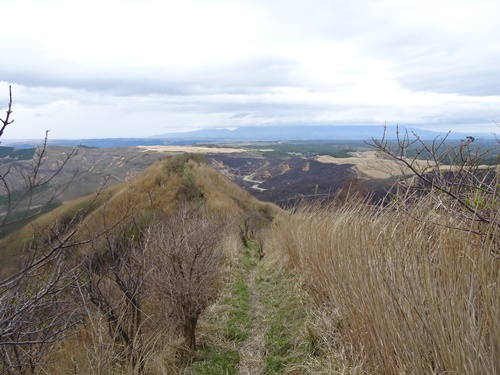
<point>114,68</point>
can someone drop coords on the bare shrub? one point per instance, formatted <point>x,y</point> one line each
<point>37,283</point>
<point>454,177</point>
<point>189,190</point>
<point>28,189</point>
<point>252,225</point>
<point>36,310</point>
<point>186,266</point>
<point>114,283</point>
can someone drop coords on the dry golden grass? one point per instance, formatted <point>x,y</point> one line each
<point>403,295</point>
<point>156,193</point>
<point>371,164</point>
<point>223,196</point>
<point>394,293</point>
<point>366,164</point>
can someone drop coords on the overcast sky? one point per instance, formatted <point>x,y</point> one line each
<point>137,68</point>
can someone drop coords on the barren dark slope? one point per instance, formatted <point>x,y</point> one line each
<point>284,181</point>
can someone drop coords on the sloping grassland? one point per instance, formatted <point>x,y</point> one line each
<point>346,288</point>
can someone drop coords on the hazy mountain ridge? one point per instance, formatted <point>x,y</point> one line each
<point>249,133</point>
<point>289,133</point>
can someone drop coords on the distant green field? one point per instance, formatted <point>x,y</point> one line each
<point>338,149</point>
<point>488,149</point>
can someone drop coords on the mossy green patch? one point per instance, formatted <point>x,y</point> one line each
<point>213,361</point>
<point>238,323</point>
<point>287,342</point>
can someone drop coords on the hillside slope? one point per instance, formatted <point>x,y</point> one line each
<point>181,271</point>
<point>140,261</point>
<point>159,190</point>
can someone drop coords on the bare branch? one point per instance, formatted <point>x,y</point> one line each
<point>186,263</point>
<point>37,305</point>
<point>451,174</point>
<point>7,120</point>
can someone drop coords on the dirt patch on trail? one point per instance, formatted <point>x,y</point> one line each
<point>252,352</point>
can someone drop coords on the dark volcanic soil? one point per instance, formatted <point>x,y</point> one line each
<point>284,181</point>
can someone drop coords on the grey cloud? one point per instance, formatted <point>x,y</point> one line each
<point>433,57</point>
<point>424,57</point>
<point>427,53</point>
<point>436,62</point>
<point>452,75</point>
<point>253,76</point>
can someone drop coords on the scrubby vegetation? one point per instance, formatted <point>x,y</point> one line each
<point>10,153</point>
<point>346,288</point>
<point>146,259</point>
<point>180,271</point>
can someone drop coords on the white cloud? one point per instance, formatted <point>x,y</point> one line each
<point>137,68</point>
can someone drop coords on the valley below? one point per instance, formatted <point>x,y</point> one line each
<point>285,174</point>
<point>287,179</point>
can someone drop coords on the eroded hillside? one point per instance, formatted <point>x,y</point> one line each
<point>284,181</point>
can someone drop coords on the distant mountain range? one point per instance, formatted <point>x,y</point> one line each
<point>248,134</point>
<point>304,133</point>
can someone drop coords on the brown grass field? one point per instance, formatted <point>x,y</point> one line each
<point>402,291</point>
<point>343,289</point>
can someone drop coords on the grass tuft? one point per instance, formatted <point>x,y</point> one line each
<point>213,361</point>
<point>238,322</point>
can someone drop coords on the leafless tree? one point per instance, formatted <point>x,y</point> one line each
<point>186,265</point>
<point>31,188</point>
<point>37,307</point>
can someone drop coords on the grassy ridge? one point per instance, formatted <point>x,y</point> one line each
<point>163,189</point>
<point>341,289</point>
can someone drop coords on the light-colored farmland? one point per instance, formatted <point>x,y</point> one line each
<point>193,149</point>
<point>367,164</point>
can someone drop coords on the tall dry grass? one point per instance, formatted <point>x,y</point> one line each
<point>404,294</point>
<point>223,196</point>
